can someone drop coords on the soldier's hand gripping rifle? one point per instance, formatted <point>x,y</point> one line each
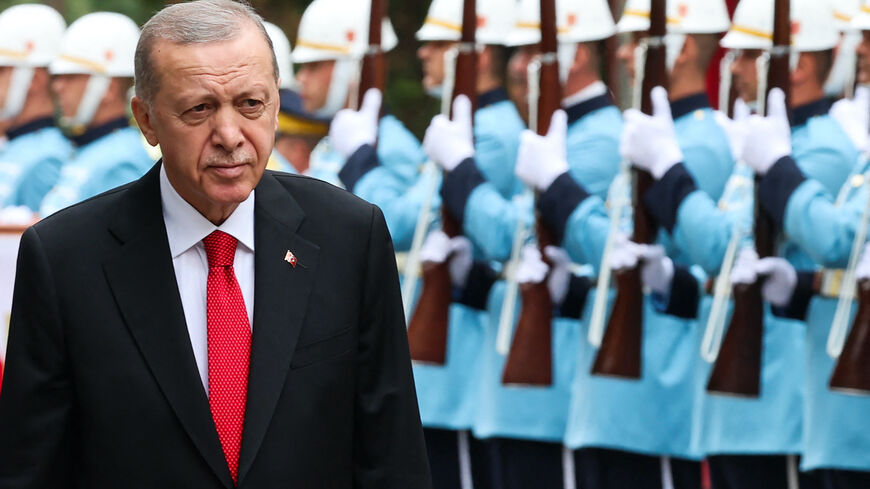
<point>530,360</point>
<point>737,370</point>
<point>427,330</point>
<point>620,352</point>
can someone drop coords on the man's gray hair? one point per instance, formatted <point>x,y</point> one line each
<point>196,22</point>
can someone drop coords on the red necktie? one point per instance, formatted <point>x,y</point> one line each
<point>229,346</point>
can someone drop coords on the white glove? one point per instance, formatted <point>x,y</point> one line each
<point>650,142</point>
<point>781,280</point>
<point>862,269</point>
<point>17,215</point>
<point>625,253</point>
<point>735,128</point>
<point>438,248</point>
<point>560,274</point>
<point>780,276</point>
<point>657,271</point>
<point>533,270</point>
<point>542,159</point>
<point>351,129</point>
<point>854,117</point>
<point>768,138</point>
<point>449,142</point>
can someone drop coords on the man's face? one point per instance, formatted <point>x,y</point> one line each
<point>314,79</point>
<point>746,74</point>
<point>431,56</point>
<point>5,81</point>
<point>68,91</point>
<point>214,115</point>
<point>864,58</point>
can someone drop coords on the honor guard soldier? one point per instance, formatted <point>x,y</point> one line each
<point>91,79</point>
<point>637,433</point>
<point>30,164</point>
<point>752,442</point>
<point>375,157</point>
<point>476,149</point>
<point>298,132</point>
<point>829,227</point>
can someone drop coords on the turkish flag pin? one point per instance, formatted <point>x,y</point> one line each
<point>290,258</point>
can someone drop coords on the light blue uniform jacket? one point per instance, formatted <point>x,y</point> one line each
<point>449,395</point>
<point>31,162</point>
<point>651,415</point>
<point>114,158</point>
<point>770,424</point>
<point>836,432</point>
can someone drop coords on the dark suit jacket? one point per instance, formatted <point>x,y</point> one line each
<point>101,387</point>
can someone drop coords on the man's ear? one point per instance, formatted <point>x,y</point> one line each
<point>143,120</point>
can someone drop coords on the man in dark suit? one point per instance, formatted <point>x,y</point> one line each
<point>210,325</point>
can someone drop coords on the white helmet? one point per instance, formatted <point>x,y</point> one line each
<point>444,21</point>
<point>337,30</point>
<point>527,24</point>
<point>281,45</point>
<point>100,44</point>
<point>699,17</point>
<point>844,12</point>
<point>30,37</point>
<point>812,22</point>
<point>635,16</point>
<point>590,20</point>
<point>861,21</point>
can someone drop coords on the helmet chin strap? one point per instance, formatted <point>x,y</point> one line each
<point>17,93</point>
<point>345,72</point>
<point>673,47</point>
<point>565,53</point>
<point>95,90</point>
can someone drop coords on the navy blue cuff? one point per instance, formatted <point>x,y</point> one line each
<point>777,186</point>
<point>575,300</point>
<point>558,202</point>
<point>685,296</point>
<point>457,187</point>
<point>800,298</point>
<point>475,294</point>
<point>663,199</point>
<point>362,161</point>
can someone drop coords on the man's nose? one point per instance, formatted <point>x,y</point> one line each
<point>226,131</point>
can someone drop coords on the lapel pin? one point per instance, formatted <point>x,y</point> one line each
<point>290,258</point>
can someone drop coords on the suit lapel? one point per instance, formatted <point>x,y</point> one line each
<point>143,282</point>
<point>281,294</point>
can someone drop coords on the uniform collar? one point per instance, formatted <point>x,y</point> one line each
<point>491,97</point>
<point>96,132</point>
<point>185,226</point>
<point>687,105</point>
<point>802,114</point>
<point>29,127</point>
<point>582,109</point>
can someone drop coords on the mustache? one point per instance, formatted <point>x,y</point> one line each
<point>238,157</point>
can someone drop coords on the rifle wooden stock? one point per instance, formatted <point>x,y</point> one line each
<point>372,73</point>
<point>611,67</point>
<point>737,370</point>
<point>851,374</point>
<point>530,360</point>
<point>428,328</point>
<point>621,354</point>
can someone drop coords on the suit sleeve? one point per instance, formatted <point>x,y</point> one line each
<point>36,404</point>
<point>389,451</point>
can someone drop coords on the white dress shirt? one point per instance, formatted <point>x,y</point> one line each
<point>595,89</point>
<point>185,228</point>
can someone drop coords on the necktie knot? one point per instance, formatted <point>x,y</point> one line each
<point>220,249</point>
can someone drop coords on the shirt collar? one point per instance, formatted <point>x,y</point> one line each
<point>185,226</point>
<point>32,126</point>
<point>96,132</point>
<point>687,105</point>
<point>596,89</point>
<point>491,97</point>
<point>802,114</point>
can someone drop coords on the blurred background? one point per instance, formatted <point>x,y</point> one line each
<point>404,95</point>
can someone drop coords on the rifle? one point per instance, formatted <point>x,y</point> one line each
<point>530,361</point>
<point>611,67</point>
<point>620,354</point>
<point>737,370</point>
<point>427,330</point>
<point>372,73</point>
